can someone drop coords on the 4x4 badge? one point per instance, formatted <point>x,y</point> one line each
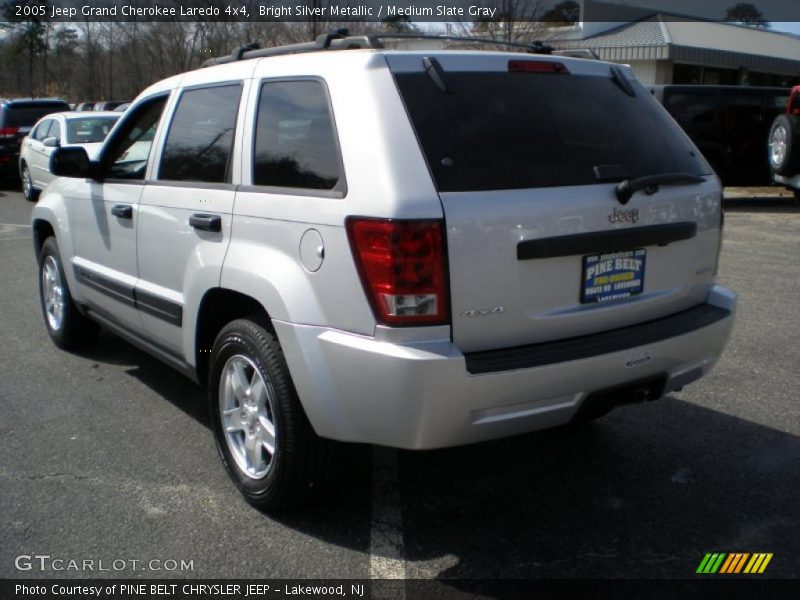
<point>483,312</point>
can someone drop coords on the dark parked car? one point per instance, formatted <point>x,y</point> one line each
<point>729,124</point>
<point>17,117</point>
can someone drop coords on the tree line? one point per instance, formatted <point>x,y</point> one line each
<point>89,61</point>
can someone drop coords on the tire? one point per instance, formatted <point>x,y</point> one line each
<point>265,410</point>
<point>784,145</point>
<point>67,327</point>
<point>31,193</point>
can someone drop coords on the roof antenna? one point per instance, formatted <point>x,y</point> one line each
<point>539,47</point>
<point>239,52</point>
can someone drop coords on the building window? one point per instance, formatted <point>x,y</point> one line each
<point>696,74</point>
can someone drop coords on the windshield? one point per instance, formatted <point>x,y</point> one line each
<point>89,130</point>
<point>500,130</point>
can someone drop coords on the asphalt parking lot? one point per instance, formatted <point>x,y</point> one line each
<point>108,455</point>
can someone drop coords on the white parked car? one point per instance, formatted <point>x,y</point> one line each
<point>87,130</point>
<point>413,249</point>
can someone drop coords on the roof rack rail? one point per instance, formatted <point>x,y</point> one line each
<point>254,50</point>
<point>535,47</point>
<point>341,39</point>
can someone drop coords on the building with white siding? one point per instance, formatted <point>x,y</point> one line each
<point>669,49</point>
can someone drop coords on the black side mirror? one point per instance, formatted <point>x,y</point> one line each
<point>70,162</point>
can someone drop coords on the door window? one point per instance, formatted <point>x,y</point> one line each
<point>200,138</point>
<point>55,130</point>
<point>127,153</point>
<point>41,130</point>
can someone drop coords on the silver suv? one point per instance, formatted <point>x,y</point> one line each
<point>416,249</point>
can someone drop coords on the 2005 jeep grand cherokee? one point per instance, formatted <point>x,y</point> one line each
<point>415,249</point>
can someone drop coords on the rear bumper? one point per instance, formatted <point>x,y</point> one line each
<point>422,395</point>
<point>9,160</point>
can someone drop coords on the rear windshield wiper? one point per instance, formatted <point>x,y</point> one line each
<point>435,72</point>
<point>618,77</point>
<point>626,189</point>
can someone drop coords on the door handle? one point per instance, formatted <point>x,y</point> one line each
<point>206,222</point>
<point>123,211</point>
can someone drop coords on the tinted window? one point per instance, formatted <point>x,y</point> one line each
<point>522,130</point>
<point>128,153</point>
<point>40,132</point>
<point>200,137</point>
<point>295,143</point>
<point>692,108</point>
<point>89,130</point>
<point>22,114</point>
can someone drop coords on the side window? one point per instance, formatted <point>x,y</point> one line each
<point>127,153</point>
<point>200,138</point>
<point>295,141</point>
<point>55,130</point>
<point>692,109</point>
<point>41,130</point>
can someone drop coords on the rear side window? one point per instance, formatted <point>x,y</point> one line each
<point>500,130</point>
<point>21,114</point>
<point>295,141</point>
<point>200,138</point>
<point>693,108</point>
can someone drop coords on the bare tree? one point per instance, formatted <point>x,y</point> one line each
<point>513,21</point>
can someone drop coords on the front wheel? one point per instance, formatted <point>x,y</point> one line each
<point>263,436</point>
<point>67,327</point>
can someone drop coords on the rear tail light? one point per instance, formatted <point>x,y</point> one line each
<point>537,66</point>
<point>402,268</point>
<point>8,132</point>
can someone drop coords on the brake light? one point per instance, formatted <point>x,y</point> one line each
<point>8,132</point>
<point>402,268</point>
<point>537,66</point>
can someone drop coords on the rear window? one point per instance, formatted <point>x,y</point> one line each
<point>497,130</point>
<point>89,130</point>
<point>25,115</point>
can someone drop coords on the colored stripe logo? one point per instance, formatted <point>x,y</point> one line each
<point>734,563</point>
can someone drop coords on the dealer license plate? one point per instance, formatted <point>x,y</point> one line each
<point>613,276</point>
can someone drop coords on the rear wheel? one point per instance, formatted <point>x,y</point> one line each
<point>263,436</point>
<point>67,327</point>
<point>784,145</point>
<point>30,192</point>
